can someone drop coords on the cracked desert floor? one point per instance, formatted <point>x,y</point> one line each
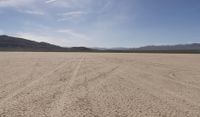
<point>99,85</point>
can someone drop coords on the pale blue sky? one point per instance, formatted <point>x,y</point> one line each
<point>102,23</point>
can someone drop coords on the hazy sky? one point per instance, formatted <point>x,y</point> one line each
<point>102,23</point>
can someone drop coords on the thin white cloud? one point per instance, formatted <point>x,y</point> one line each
<point>74,38</point>
<point>73,33</point>
<point>71,3</point>
<point>32,12</point>
<point>42,38</point>
<point>24,6</point>
<point>71,16</point>
<point>68,40</point>
<point>50,1</point>
<point>74,14</point>
<point>60,3</point>
<point>15,3</point>
<point>32,36</point>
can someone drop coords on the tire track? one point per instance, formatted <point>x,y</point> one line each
<point>10,96</point>
<point>75,72</point>
<point>103,74</point>
<point>57,112</point>
<point>71,100</point>
<point>172,75</point>
<point>81,103</point>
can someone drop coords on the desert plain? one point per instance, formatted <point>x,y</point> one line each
<point>37,84</point>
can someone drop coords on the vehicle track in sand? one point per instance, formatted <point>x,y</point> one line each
<point>101,85</point>
<point>10,96</point>
<point>76,95</point>
<point>60,103</point>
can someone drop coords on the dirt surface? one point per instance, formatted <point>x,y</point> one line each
<point>99,85</point>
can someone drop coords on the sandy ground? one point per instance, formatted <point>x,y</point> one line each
<point>99,85</point>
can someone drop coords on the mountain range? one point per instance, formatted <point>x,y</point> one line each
<point>9,43</point>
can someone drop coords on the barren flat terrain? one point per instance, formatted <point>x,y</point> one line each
<point>99,85</point>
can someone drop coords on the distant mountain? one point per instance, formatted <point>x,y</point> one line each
<point>181,48</point>
<point>193,46</point>
<point>14,43</point>
<point>8,43</point>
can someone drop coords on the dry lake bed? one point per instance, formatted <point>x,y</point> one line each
<point>99,85</point>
